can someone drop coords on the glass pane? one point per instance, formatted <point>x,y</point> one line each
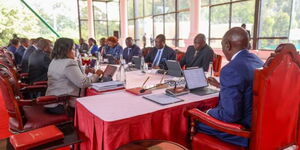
<point>131,28</point>
<point>181,43</point>
<point>83,9</point>
<point>295,26</point>
<point>113,11</point>
<point>99,10</point>
<point>130,10</point>
<point>270,44</point>
<point>204,2</point>
<point>100,29</point>
<point>275,18</point>
<point>183,4</point>
<point>113,26</point>
<point>169,6</point>
<point>84,29</point>
<point>219,21</point>
<point>215,44</point>
<point>158,25</point>
<point>170,27</point>
<point>138,8</point>
<point>148,29</point>
<point>204,21</point>
<point>184,25</point>
<point>243,12</point>
<point>158,6</point>
<point>219,1</point>
<point>170,43</point>
<point>148,7</point>
<point>139,29</point>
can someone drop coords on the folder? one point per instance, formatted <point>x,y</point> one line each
<point>36,137</point>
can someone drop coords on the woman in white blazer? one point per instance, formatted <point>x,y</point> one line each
<point>65,75</point>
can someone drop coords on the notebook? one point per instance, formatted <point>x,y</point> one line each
<point>162,99</point>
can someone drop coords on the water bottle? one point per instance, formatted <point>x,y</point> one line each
<point>122,60</point>
<point>121,75</point>
<point>142,64</point>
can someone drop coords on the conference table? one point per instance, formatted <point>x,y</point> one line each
<point>109,120</point>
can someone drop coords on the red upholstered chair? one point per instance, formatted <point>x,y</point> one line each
<point>179,55</point>
<point>26,115</point>
<point>276,109</point>
<point>217,63</point>
<point>146,51</point>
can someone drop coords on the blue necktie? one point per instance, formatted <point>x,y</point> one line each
<point>157,58</point>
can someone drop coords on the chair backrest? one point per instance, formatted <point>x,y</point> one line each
<point>217,63</point>
<point>276,102</point>
<point>9,98</point>
<point>179,55</point>
<point>146,51</point>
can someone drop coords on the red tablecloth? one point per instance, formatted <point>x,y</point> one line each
<point>167,124</point>
<point>91,91</point>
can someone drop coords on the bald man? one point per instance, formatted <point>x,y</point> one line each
<point>198,55</point>
<point>236,83</point>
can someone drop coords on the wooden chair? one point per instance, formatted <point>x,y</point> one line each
<point>28,114</point>
<point>276,109</point>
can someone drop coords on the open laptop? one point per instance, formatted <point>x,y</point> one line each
<point>109,73</point>
<point>174,68</point>
<point>196,82</point>
<point>136,60</point>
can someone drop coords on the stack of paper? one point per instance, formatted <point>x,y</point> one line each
<point>105,86</point>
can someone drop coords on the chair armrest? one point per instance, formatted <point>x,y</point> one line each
<point>33,88</point>
<point>24,75</point>
<point>22,85</point>
<point>29,102</point>
<point>231,128</point>
<point>51,99</point>
<point>40,83</point>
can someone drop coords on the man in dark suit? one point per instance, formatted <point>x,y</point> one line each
<point>103,46</point>
<point>235,100</point>
<point>39,61</point>
<point>20,51</point>
<point>27,53</point>
<point>83,47</point>
<point>160,53</point>
<point>131,50</point>
<point>198,55</point>
<point>14,44</point>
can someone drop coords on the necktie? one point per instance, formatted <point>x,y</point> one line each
<point>129,49</point>
<point>157,58</point>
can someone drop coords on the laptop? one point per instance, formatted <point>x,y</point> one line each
<point>174,68</point>
<point>136,60</point>
<point>196,82</point>
<point>109,73</point>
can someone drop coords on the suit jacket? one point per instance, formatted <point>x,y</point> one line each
<point>25,58</point>
<point>135,51</point>
<point>19,54</point>
<point>65,77</point>
<point>204,56</point>
<point>168,54</point>
<point>12,49</point>
<point>38,66</point>
<point>235,100</point>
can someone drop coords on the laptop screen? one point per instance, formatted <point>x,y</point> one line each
<point>174,68</point>
<point>195,78</point>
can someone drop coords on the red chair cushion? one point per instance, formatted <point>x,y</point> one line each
<point>205,142</point>
<point>37,117</point>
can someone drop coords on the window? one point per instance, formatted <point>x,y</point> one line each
<point>294,35</point>
<point>153,17</point>
<point>106,21</point>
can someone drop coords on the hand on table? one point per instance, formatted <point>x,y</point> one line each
<point>99,72</point>
<point>213,81</point>
<point>89,70</point>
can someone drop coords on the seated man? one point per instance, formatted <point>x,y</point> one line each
<point>27,53</point>
<point>160,53</point>
<point>235,101</point>
<point>83,47</point>
<point>103,46</point>
<point>14,45</point>
<point>20,51</point>
<point>198,55</point>
<point>39,61</point>
<point>131,50</point>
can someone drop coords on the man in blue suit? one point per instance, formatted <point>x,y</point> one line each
<point>236,83</point>
<point>160,53</point>
<point>131,50</point>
